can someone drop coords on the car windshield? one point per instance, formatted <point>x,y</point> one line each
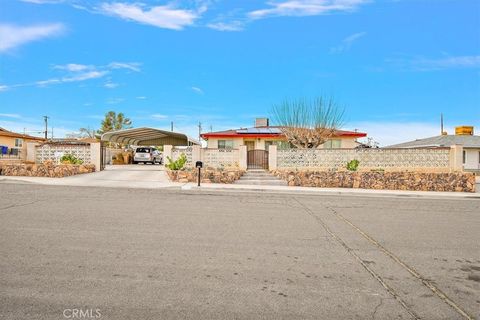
<point>145,150</point>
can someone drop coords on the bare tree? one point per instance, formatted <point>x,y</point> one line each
<point>82,133</point>
<point>308,123</point>
<point>87,132</point>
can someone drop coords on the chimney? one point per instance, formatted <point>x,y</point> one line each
<point>261,122</point>
<point>464,131</point>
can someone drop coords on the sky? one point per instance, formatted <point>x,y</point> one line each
<point>394,65</point>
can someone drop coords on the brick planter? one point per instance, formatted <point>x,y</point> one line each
<point>209,175</point>
<point>414,181</point>
<point>46,169</point>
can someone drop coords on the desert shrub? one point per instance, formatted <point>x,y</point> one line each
<point>177,164</point>
<point>70,159</point>
<point>353,165</point>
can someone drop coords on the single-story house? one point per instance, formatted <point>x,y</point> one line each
<point>14,145</point>
<point>463,136</point>
<point>263,135</point>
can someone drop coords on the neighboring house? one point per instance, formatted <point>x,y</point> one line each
<point>463,136</point>
<point>14,145</point>
<point>262,136</point>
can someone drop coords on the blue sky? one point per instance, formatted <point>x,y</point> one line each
<point>394,64</point>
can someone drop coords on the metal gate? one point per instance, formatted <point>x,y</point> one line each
<point>103,155</point>
<point>257,159</point>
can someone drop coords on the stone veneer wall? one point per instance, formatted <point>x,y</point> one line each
<point>415,181</point>
<point>47,169</point>
<point>209,175</point>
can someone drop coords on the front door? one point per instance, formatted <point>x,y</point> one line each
<point>250,145</point>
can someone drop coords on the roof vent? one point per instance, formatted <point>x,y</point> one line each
<point>261,122</point>
<point>464,131</point>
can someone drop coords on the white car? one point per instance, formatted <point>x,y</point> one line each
<point>147,155</point>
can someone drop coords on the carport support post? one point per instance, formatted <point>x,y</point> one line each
<point>95,155</point>
<point>167,152</point>
<point>242,154</point>
<point>272,157</point>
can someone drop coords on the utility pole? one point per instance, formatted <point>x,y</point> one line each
<point>199,130</point>
<point>171,126</point>
<point>46,126</point>
<point>441,124</point>
<point>211,128</point>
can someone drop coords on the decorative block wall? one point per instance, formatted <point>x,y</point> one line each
<point>218,158</point>
<point>54,152</point>
<point>369,158</point>
<point>177,151</point>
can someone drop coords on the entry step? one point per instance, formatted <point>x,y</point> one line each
<point>260,177</point>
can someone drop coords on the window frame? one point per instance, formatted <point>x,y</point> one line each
<point>329,144</point>
<point>225,144</point>
<point>18,143</point>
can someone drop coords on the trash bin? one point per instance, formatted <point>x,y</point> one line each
<point>4,149</point>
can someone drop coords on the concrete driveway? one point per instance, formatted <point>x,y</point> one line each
<point>131,176</point>
<point>170,254</point>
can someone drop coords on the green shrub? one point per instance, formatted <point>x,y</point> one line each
<point>70,159</point>
<point>353,165</point>
<point>177,164</point>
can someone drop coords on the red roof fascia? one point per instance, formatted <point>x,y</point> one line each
<point>241,135</point>
<point>351,134</point>
<point>273,135</point>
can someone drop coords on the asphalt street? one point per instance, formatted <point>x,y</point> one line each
<point>105,253</point>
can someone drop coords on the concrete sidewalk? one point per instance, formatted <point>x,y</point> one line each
<point>338,191</point>
<point>106,179</point>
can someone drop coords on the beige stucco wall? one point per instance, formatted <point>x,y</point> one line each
<point>347,142</point>
<point>10,143</point>
<point>213,142</point>
<point>472,160</point>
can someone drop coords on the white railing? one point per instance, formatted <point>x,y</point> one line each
<point>16,156</point>
<point>368,158</point>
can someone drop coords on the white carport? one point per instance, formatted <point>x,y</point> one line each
<point>148,137</point>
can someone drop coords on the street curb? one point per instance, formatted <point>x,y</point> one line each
<point>329,191</point>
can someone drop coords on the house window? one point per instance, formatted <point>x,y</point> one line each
<point>18,143</point>
<point>333,144</point>
<point>281,145</point>
<point>225,144</point>
<point>464,156</point>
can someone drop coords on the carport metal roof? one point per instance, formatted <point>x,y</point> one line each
<point>148,137</point>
